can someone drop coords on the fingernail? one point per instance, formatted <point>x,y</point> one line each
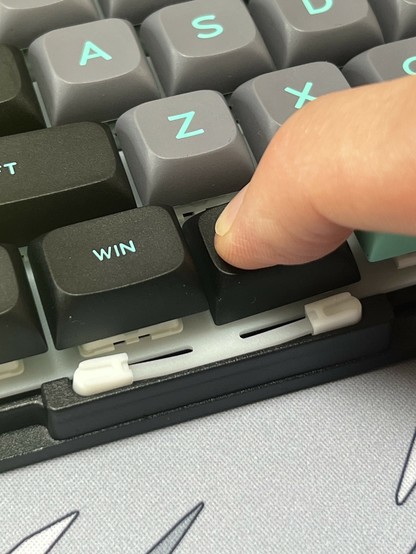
<point>227,217</point>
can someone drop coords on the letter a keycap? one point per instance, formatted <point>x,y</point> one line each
<point>91,51</point>
<point>81,70</point>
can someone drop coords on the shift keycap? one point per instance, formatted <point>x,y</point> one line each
<point>235,293</point>
<point>19,108</point>
<point>21,333</point>
<point>58,176</point>
<point>114,274</point>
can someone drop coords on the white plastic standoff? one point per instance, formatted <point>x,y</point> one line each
<point>335,312</point>
<point>327,314</point>
<point>11,369</point>
<point>102,374</point>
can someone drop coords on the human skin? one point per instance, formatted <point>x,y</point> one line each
<point>344,161</point>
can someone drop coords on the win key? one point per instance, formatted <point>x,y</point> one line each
<point>114,274</point>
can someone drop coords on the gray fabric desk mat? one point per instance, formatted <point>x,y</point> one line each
<point>320,471</point>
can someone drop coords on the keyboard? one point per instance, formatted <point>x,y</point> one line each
<point>125,128</point>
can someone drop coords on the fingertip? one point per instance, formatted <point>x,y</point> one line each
<point>229,214</point>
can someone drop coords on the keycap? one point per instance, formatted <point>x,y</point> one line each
<point>19,108</point>
<point>81,70</point>
<point>114,274</point>
<point>264,103</point>
<point>302,31</point>
<point>204,44</point>
<point>397,18</point>
<point>21,21</point>
<point>382,63</point>
<point>21,333</point>
<point>53,177</point>
<point>235,293</point>
<point>135,12</point>
<point>382,246</point>
<point>184,148</point>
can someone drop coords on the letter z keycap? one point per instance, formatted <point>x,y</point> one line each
<point>54,177</point>
<point>94,71</point>
<point>115,274</point>
<point>184,148</point>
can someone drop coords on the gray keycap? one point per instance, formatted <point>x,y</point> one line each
<point>94,71</point>
<point>397,18</point>
<point>382,63</point>
<point>184,148</point>
<point>205,44</point>
<point>135,11</point>
<point>263,104</point>
<point>302,31</point>
<point>21,21</point>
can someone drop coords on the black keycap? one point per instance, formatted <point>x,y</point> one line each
<point>19,108</point>
<point>58,176</point>
<point>235,293</point>
<point>115,274</point>
<point>21,334</point>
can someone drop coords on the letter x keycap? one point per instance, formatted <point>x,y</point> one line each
<point>263,104</point>
<point>303,96</point>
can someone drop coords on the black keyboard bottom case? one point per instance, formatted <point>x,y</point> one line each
<point>57,421</point>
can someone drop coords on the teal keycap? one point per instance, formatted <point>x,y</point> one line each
<point>382,246</point>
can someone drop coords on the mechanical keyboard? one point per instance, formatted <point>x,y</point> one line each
<point>125,127</point>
